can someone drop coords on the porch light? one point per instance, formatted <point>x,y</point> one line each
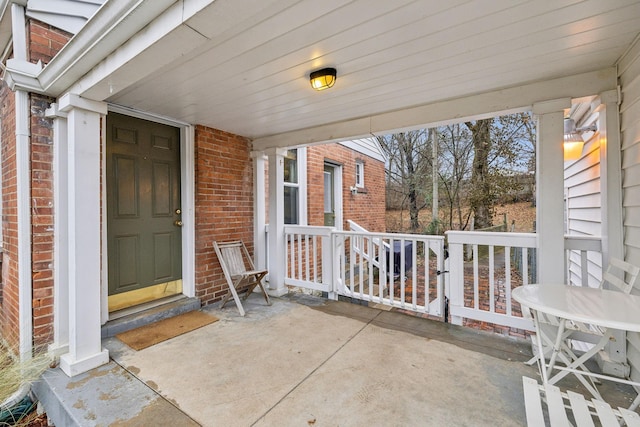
<point>572,146</point>
<point>323,79</point>
<point>573,142</point>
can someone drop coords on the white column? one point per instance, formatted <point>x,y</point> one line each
<point>277,252</point>
<point>259,219</point>
<point>610,175</point>
<point>613,360</point>
<point>550,190</point>
<point>60,343</point>
<point>83,124</point>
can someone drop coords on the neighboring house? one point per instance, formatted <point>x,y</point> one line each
<point>344,181</point>
<point>134,139</point>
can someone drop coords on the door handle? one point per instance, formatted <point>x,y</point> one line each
<point>177,223</point>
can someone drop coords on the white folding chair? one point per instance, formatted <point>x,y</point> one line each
<point>565,408</point>
<point>234,259</point>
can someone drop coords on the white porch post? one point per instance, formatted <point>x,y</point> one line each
<point>614,360</point>
<point>83,174</point>
<point>277,252</point>
<point>550,190</point>
<point>259,220</point>
<point>60,343</point>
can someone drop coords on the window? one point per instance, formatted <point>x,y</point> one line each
<point>291,188</point>
<point>359,174</point>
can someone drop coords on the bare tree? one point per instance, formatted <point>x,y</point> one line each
<point>482,198</point>
<point>454,169</point>
<point>408,169</point>
<point>477,164</point>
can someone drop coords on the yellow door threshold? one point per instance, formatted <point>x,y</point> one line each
<point>140,296</point>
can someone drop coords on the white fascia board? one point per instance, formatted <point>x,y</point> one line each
<point>367,146</point>
<point>111,26</point>
<point>483,105</point>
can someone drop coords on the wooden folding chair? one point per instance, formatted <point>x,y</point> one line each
<point>234,259</point>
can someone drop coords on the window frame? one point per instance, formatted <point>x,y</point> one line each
<point>359,172</point>
<point>300,185</point>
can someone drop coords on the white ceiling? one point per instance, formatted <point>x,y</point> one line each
<point>250,77</point>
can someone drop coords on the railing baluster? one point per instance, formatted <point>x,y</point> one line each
<point>525,266</point>
<point>414,275</point>
<point>476,283</point>
<point>391,270</point>
<point>507,277</point>
<point>315,259</point>
<point>401,279</point>
<point>370,266</point>
<point>492,281</point>
<point>361,266</point>
<point>299,238</point>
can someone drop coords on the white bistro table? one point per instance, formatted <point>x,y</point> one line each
<point>606,309</point>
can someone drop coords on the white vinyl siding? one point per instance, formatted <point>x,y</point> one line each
<point>629,77</point>
<point>583,200</point>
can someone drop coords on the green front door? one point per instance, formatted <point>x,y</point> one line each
<point>143,204</point>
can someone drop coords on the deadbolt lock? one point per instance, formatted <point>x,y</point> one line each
<point>178,211</point>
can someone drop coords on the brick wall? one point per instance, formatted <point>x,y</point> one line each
<point>9,310</point>
<point>41,220</point>
<point>44,42</point>
<point>223,203</point>
<point>367,208</point>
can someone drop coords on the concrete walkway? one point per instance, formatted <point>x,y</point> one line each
<point>306,362</point>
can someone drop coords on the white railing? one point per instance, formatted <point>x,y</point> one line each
<point>500,262</point>
<point>364,251</point>
<point>397,270</point>
<point>405,270</point>
<point>583,260</point>
<point>308,257</point>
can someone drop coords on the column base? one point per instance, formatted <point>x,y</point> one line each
<point>73,367</point>
<point>56,350</point>
<point>277,292</point>
<point>611,367</point>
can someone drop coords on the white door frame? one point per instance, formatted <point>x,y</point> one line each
<point>337,192</point>
<point>187,201</point>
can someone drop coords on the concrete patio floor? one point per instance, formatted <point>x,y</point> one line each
<point>304,361</point>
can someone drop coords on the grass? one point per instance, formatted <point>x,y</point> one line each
<point>18,374</point>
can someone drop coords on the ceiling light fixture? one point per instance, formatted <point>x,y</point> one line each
<point>323,79</point>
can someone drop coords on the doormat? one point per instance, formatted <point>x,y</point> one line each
<point>153,333</point>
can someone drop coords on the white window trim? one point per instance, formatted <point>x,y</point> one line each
<point>301,185</point>
<point>360,182</point>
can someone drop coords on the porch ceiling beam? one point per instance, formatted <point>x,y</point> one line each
<point>518,98</point>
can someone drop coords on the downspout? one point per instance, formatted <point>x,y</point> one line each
<point>23,189</point>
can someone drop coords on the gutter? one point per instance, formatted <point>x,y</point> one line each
<point>115,22</point>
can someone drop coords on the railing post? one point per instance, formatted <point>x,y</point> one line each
<point>456,275</point>
<point>328,261</point>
